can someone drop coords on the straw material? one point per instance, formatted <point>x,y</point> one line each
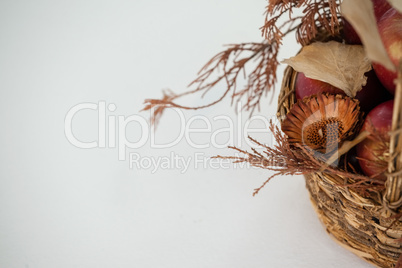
<point>359,224</point>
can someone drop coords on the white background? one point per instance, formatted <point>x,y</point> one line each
<point>61,206</point>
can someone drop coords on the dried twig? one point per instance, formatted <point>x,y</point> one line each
<point>228,65</point>
<point>286,159</point>
<point>317,14</point>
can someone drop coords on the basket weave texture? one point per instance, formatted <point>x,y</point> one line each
<point>360,224</point>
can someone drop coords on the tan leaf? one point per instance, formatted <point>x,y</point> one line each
<point>340,65</point>
<point>397,4</point>
<point>360,14</point>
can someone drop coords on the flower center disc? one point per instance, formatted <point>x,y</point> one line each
<point>325,133</point>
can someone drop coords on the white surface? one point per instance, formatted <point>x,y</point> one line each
<point>62,206</point>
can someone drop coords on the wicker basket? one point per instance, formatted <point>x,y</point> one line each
<point>357,223</point>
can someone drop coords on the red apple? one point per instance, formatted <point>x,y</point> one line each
<point>370,151</point>
<point>390,28</point>
<point>372,94</point>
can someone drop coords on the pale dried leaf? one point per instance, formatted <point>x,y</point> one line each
<point>340,65</point>
<point>397,4</point>
<point>360,14</point>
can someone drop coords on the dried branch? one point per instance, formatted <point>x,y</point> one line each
<point>285,159</point>
<point>317,14</point>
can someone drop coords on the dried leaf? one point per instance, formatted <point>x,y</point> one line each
<point>397,4</point>
<point>360,14</point>
<point>340,65</point>
<point>230,67</point>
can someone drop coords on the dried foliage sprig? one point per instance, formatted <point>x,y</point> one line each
<point>228,65</point>
<point>381,153</point>
<point>286,159</point>
<point>317,14</point>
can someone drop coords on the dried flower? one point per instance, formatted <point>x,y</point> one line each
<point>321,123</point>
